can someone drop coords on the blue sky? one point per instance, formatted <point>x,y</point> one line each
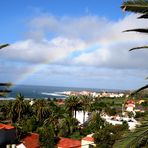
<point>71,43</point>
<point>14,14</point>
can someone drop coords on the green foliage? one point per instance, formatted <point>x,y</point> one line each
<point>67,126</point>
<point>76,135</point>
<point>110,111</point>
<point>19,108</point>
<point>138,138</point>
<point>96,122</point>
<point>136,6</point>
<point>72,104</point>
<point>41,109</point>
<point>46,136</point>
<point>106,137</point>
<point>29,124</point>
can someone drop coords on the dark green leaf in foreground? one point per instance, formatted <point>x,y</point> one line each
<point>4,45</point>
<point>140,89</point>
<point>138,138</point>
<point>141,30</point>
<point>136,6</point>
<point>135,48</point>
<point>144,16</point>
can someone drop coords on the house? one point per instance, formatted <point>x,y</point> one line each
<point>87,142</point>
<point>7,135</point>
<point>117,120</point>
<point>68,143</point>
<point>130,105</point>
<point>29,141</point>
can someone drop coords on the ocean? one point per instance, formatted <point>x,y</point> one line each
<point>38,92</point>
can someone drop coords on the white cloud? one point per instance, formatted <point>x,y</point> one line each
<point>42,51</point>
<point>90,43</point>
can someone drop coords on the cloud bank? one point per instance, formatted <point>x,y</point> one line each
<point>88,47</point>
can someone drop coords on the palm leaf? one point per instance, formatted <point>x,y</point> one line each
<point>136,6</point>
<point>4,45</point>
<point>133,139</point>
<point>135,48</point>
<point>144,16</point>
<point>141,30</point>
<point>140,89</point>
<point>5,84</point>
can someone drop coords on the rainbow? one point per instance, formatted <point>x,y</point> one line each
<point>40,66</point>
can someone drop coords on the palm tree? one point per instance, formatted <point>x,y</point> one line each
<point>19,108</point>
<point>67,125</point>
<point>41,109</point>
<point>86,104</point>
<point>139,136</point>
<point>72,104</point>
<point>96,122</point>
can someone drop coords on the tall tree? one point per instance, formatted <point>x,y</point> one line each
<point>86,104</point>
<point>72,103</point>
<point>41,109</point>
<point>19,108</point>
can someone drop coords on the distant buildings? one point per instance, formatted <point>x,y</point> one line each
<point>95,94</point>
<point>118,120</point>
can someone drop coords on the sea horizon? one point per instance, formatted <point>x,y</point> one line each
<point>45,92</point>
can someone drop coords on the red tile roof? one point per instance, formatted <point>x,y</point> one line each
<point>5,126</point>
<point>31,141</point>
<point>130,102</point>
<point>88,139</point>
<point>69,143</point>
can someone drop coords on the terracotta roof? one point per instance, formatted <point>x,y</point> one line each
<point>69,143</point>
<point>60,103</point>
<point>130,102</point>
<point>88,139</point>
<point>5,126</point>
<point>31,141</point>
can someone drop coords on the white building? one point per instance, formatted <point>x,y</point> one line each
<point>80,116</point>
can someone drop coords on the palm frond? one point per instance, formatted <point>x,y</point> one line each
<point>140,89</point>
<point>135,48</point>
<point>133,139</point>
<point>144,16</point>
<point>136,6</point>
<point>141,30</point>
<point>4,45</point>
<point>6,84</point>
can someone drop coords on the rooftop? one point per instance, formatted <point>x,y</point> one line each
<point>88,138</point>
<point>69,143</point>
<point>31,141</point>
<point>5,126</point>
